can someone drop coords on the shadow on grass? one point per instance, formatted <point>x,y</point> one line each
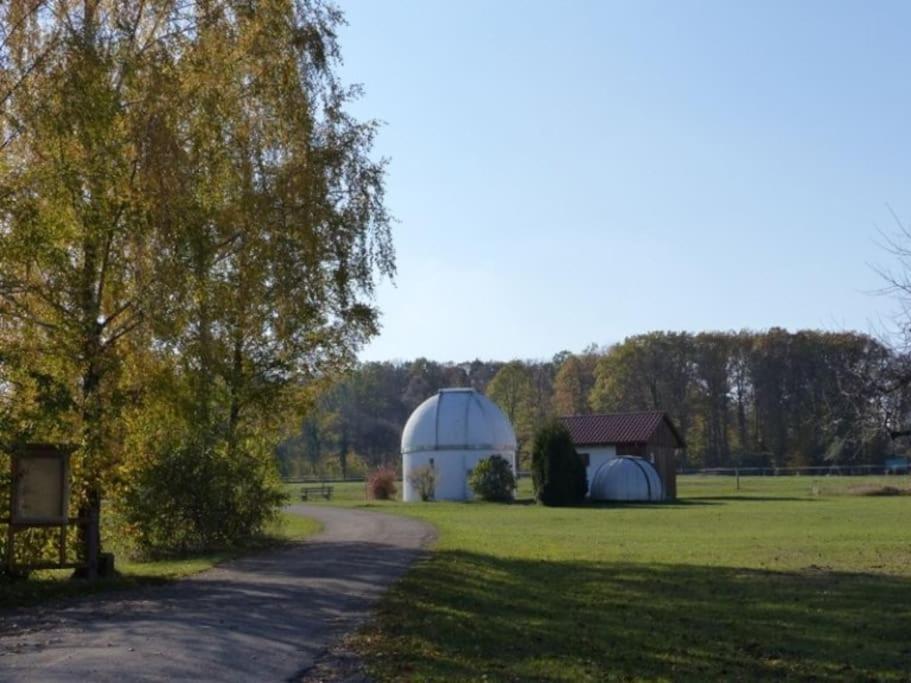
<point>642,505</point>
<point>688,502</point>
<point>747,497</point>
<point>696,501</point>
<point>461,615</point>
<point>649,505</point>
<point>524,501</point>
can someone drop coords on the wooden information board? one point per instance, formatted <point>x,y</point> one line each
<point>41,482</point>
<point>39,497</point>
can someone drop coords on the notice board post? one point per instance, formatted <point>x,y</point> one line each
<point>39,498</point>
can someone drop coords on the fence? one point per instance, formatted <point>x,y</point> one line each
<point>324,480</point>
<point>817,470</point>
<point>825,470</point>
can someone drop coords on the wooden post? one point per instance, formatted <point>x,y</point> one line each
<point>61,545</point>
<point>737,476</point>
<point>92,542</point>
<point>10,531</point>
<point>10,539</point>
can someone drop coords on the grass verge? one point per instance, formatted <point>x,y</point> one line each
<point>47,585</point>
<point>792,578</point>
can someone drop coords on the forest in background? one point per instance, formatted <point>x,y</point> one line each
<point>744,398</point>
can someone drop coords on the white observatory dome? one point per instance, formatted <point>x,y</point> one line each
<point>456,420</point>
<point>451,432</point>
<point>626,478</point>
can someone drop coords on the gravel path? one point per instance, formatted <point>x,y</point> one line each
<point>263,618</point>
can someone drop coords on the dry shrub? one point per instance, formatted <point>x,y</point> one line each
<point>424,480</point>
<point>381,483</point>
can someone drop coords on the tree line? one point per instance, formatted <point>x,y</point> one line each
<point>770,398</point>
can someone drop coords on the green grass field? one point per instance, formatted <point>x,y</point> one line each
<point>794,578</point>
<point>51,584</point>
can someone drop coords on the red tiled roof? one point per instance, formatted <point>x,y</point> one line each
<point>616,428</point>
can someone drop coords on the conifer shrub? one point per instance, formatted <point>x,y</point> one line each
<point>381,483</point>
<point>492,479</point>
<point>558,472</point>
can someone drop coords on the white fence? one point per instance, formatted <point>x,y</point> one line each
<point>818,470</point>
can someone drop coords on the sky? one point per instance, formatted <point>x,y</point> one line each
<point>572,173</point>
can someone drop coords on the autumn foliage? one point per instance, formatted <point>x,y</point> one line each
<point>191,227</point>
<point>381,484</point>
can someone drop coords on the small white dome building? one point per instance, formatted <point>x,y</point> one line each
<point>451,432</point>
<point>626,478</point>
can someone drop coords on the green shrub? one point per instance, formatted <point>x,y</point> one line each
<point>193,498</point>
<point>381,483</point>
<point>558,473</point>
<point>492,479</point>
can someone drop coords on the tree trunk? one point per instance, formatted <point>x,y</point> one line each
<point>90,510</point>
<point>236,381</point>
<point>92,411</point>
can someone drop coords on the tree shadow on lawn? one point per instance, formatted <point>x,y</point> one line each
<point>461,615</point>
<point>588,503</point>
<point>747,498</point>
<point>650,505</point>
<point>690,501</point>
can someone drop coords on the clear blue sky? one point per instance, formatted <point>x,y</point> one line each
<point>568,173</point>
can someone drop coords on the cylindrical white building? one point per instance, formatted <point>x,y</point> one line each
<point>626,478</point>
<point>451,432</point>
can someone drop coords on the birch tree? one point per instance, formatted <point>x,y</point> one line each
<point>180,181</point>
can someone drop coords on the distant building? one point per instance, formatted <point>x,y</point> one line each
<point>626,478</point>
<point>651,436</point>
<point>450,433</point>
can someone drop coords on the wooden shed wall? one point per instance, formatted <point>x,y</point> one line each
<point>661,451</point>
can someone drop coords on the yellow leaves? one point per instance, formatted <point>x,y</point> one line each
<point>190,230</point>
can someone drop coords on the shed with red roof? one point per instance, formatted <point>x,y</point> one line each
<point>649,435</point>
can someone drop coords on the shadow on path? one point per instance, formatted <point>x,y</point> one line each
<point>264,617</point>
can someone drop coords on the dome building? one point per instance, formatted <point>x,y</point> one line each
<point>451,432</point>
<point>651,436</point>
<point>626,478</point>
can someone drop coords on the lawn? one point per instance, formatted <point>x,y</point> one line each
<point>787,578</point>
<point>50,584</point>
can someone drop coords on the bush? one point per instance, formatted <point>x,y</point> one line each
<point>381,483</point>
<point>558,473</point>
<point>492,479</point>
<point>193,498</point>
<point>424,479</point>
